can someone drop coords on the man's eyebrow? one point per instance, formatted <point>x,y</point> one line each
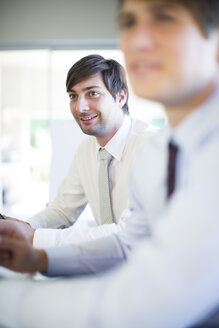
<point>86,89</point>
<point>152,6</point>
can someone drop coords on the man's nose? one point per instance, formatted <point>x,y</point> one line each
<point>141,38</point>
<point>82,104</point>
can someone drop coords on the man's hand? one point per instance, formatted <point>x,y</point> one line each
<point>16,253</point>
<point>22,226</point>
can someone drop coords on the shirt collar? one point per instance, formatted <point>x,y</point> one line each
<point>116,144</point>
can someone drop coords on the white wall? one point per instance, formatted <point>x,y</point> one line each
<point>23,21</point>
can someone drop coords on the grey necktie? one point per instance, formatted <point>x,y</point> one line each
<point>104,187</point>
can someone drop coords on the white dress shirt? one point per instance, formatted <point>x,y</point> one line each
<point>80,187</point>
<point>172,277</point>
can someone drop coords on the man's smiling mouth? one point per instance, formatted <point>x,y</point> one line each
<point>88,118</point>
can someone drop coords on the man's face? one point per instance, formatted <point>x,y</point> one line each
<point>94,108</point>
<point>167,56</point>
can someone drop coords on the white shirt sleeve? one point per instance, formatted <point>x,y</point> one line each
<point>88,257</point>
<point>100,254</point>
<point>68,204</point>
<point>56,237</point>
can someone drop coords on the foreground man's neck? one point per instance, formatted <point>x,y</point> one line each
<point>176,114</point>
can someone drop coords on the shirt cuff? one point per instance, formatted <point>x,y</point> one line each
<point>45,238</point>
<point>62,261</point>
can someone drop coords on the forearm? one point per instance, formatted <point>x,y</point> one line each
<point>51,217</point>
<point>63,211</point>
<point>90,257</point>
<point>17,254</point>
<point>73,235</point>
<point>67,205</point>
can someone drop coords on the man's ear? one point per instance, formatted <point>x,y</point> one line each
<point>122,97</point>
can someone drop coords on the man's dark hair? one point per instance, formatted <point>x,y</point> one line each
<point>205,12</point>
<point>112,72</point>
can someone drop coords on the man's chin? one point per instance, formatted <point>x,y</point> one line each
<point>151,94</point>
<point>89,132</point>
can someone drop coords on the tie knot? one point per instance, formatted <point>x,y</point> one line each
<point>103,154</point>
<point>173,149</point>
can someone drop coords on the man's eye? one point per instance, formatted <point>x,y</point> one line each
<point>126,21</point>
<point>72,96</point>
<point>93,94</point>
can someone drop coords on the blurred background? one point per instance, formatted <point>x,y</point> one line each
<point>39,42</point>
